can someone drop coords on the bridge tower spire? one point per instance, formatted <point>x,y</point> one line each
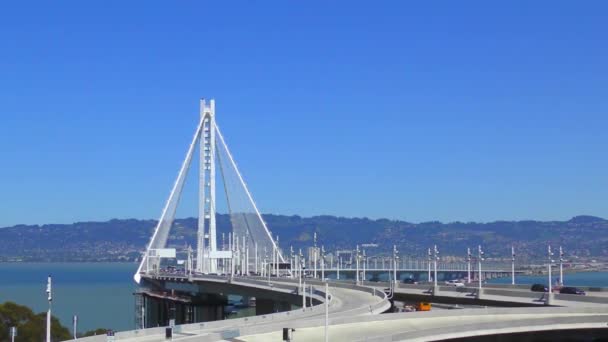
<point>207,207</point>
<point>245,218</point>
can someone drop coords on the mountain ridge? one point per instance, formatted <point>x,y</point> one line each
<point>582,236</point>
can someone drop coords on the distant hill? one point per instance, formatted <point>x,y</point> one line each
<point>116,240</point>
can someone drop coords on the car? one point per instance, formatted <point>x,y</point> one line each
<point>410,281</point>
<point>572,290</point>
<point>455,282</point>
<point>539,288</point>
<point>423,306</point>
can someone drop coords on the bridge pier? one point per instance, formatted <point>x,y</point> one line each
<point>265,306</point>
<point>157,309</point>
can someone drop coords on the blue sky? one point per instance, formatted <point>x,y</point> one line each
<point>434,110</point>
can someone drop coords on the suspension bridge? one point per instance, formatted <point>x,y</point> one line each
<point>184,286</point>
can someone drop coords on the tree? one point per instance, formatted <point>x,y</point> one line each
<point>30,326</point>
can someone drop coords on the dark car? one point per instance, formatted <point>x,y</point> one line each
<point>539,288</point>
<point>572,290</point>
<point>409,281</point>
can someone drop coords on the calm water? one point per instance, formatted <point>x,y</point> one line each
<point>595,279</point>
<point>101,294</point>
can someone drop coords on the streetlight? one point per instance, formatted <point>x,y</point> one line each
<point>315,254</point>
<point>75,326</point>
<point>301,266</point>
<point>304,295</point>
<point>277,257</point>
<point>561,267</point>
<point>429,264</point>
<point>469,264</point>
<point>479,260</point>
<point>550,255</point>
<point>291,262</point>
<point>326,312</point>
<point>357,262</point>
<point>338,265</point>
<point>322,263</point>
<point>435,259</point>
<point>395,257</point>
<point>255,246</point>
<point>512,265</point>
<point>364,266</point>
<point>48,313</point>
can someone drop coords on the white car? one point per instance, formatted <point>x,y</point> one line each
<point>455,282</point>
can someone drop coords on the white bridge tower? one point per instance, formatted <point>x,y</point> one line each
<point>206,206</point>
<point>245,218</point>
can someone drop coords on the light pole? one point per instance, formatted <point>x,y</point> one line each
<point>395,257</point>
<point>338,268</point>
<point>256,258</point>
<point>266,264</point>
<point>429,264</point>
<point>550,255</point>
<point>322,263</point>
<point>364,266</point>
<point>512,265</point>
<point>435,259</point>
<point>479,260</point>
<point>75,325</point>
<point>48,313</point>
<point>301,264</point>
<point>561,267</point>
<point>357,262</point>
<point>291,262</point>
<point>296,264</point>
<point>13,333</point>
<point>277,257</point>
<point>326,312</point>
<point>247,260</point>
<point>469,264</point>
<point>314,250</point>
<point>304,295</point>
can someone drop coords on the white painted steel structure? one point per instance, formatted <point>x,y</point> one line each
<point>248,227</point>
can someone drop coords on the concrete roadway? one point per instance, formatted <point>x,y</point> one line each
<point>439,325</point>
<point>514,296</point>
<point>351,319</point>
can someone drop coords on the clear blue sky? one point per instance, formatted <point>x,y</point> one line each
<point>428,110</point>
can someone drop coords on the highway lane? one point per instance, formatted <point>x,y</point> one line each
<point>427,326</point>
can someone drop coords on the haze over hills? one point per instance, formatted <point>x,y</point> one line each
<point>123,240</point>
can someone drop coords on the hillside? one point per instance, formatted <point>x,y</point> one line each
<point>116,240</point>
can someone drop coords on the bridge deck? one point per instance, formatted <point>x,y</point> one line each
<point>439,325</point>
<point>352,308</point>
<point>347,301</point>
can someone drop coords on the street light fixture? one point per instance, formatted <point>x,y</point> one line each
<point>469,265</point>
<point>364,266</point>
<point>512,265</point>
<point>395,258</point>
<point>314,254</point>
<point>550,257</point>
<point>435,259</point>
<point>49,294</point>
<point>339,261</point>
<point>561,266</point>
<point>480,258</point>
<point>429,264</point>
<point>357,256</point>
<point>322,263</point>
